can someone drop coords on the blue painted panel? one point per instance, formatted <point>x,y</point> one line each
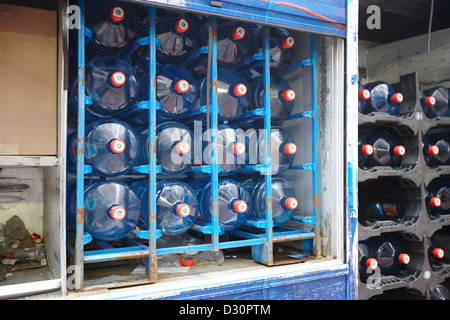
<point>325,16</point>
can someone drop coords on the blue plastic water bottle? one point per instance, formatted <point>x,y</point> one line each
<point>114,27</point>
<point>113,85</point>
<point>282,149</point>
<point>284,200</point>
<point>390,254</point>
<point>281,98</point>
<point>364,152</point>
<point>110,147</point>
<point>234,202</point>
<point>173,147</point>
<point>435,102</point>
<point>386,150</point>
<point>230,151</point>
<point>176,91</point>
<point>436,149</point>
<point>111,209</point>
<point>367,263</point>
<point>281,47</point>
<point>437,197</point>
<point>383,98</point>
<point>176,205</point>
<point>233,96</point>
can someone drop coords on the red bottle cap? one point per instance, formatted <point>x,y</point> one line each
<point>239,148</point>
<point>182,147</point>
<point>397,97</point>
<point>118,78</point>
<point>288,95</point>
<point>438,253</point>
<point>367,149</point>
<point>399,150</point>
<point>117,146</point>
<point>182,86</point>
<point>291,203</point>
<point>371,263</point>
<point>364,94</point>
<point>183,210</point>
<point>404,258</point>
<point>182,26</point>
<point>433,150</point>
<point>240,89</point>
<point>435,202</point>
<point>240,206</point>
<point>117,14</point>
<point>238,33</point>
<point>290,148</point>
<point>430,101</point>
<point>118,213</point>
<point>288,42</point>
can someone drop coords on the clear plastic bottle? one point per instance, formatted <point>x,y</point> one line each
<point>386,150</point>
<point>173,147</point>
<point>114,27</point>
<point>111,209</point>
<point>110,147</point>
<point>383,98</point>
<point>231,149</point>
<point>233,96</point>
<point>113,85</point>
<point>284,200</point>
<point>234,202</point>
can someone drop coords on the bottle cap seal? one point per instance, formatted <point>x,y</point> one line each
<point>430,101</point>
<point>182,147</point>
<point>182,26</point>
<point>118,213</point>
<point>364,94</point>
<point>435,202</point>
<point>118,79</point>
<point>239,148</point>
<point>404,258</point>
<point>288,95</point>
<point>291,203</point>
<point>371,263</point>
<point>397,97</point>
<point>240,89</point>
<point>290,148</point>
<point>433,150</point>
<point>399,150</point>
<point>117,14</point>
<point>367,149</point>
<point>240,206</point>
<point>183,210</point>
<point>438,253</point>
<point>182,86</point>
<point>117,146</point>
<point>238,33</point>
<point>288,42</point>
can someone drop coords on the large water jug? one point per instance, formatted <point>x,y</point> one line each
<point>363,95</point>
<point>173,147</point>
<point>110,147</point>
<point>113,85</point>
<point>282,149</point>
<point>114,27</point>
<point>233,96</point>
<point>281,47</point>
<point>390,253</point>
<point>111,209</point>
<point>367,263</point>
<point>234,202</point>
<point>436,149</point>
<point>435,102</point>
<point>437,197</point>
<point>386,151</point>
<point>383,98</point>
<point>284,200</point>
<point>281,98</point>
<point>230,149</point>
<point>176,205</point>
<point>176,91</point>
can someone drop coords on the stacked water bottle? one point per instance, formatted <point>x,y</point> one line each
<point>117,135</point>
<point>402,242</point>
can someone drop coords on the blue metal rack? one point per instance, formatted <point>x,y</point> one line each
<point>259,234</point>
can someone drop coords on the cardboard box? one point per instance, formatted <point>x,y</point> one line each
<point>28,81</point>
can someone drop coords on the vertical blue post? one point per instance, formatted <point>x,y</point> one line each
<point>315,144</point>
<point>214,128</point>
<point>152,273</point>
<point>264,253</point>
<point>79,241</point>
<point>267,146</point>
